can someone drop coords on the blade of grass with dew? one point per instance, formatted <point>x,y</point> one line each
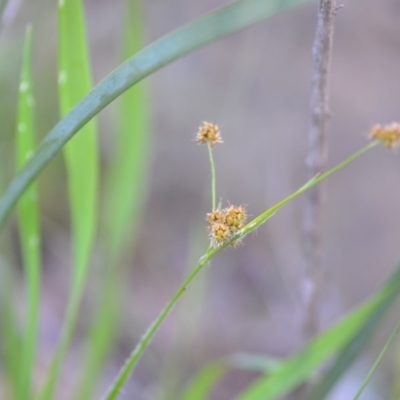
<point>216,25</point>
<point>378,361</point>
<point>134,357</point>
<point>28,221</point>
<point>81,156</point>
<point>205,380</point>
<point>299,368</point>
<point>125,190</point>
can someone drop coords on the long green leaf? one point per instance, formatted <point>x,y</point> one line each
<point>10,344</point>
<point>81,155</point>
<point>125,190</point>
<point>227,20</point>
<point>126,177</point>
<point>378,361</point>
<point>299,367</point>
<point>351,351</point>
<point>137,352</point>
<point>28,220</point>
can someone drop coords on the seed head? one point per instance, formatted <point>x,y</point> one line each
<point>388,135</point>
<point>235,217</point>
<point>219,233</point>
<point>209,133</point>
<point>225,223</point>
<point>216,216</point>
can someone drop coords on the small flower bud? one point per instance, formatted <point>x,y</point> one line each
<point>223,224</point>
<point>216,216</point>
<point>219,233</point>
<point>235,217</point>
<point>209,133</point>
<point>388,135</point>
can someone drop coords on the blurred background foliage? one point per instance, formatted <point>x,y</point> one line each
<point>256,86</point>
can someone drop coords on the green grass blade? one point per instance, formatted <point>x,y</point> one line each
<point>350,352</point>
<point>339,333</point>
<point>226,20</point>
<point>126,177</point>
<point>188,318</point>
<point>81,153</point>
<point>28,221</point>
<point>10,344</point>
<point>81,157</point>
<point>378,361</point>
<point>299,367</point>
<point>125,190</point>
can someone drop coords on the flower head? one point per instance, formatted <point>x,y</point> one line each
<point>209,133</point>
<point>216,216</point>
<point>219,232</point>
<point>235,216</point>
<point>223,224</point>
<point>388,135</point>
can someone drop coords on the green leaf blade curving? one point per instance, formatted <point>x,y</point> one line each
<point>227,20</point>
<point>28,221</point>
<point>81,157</point>
<point>299,368</point>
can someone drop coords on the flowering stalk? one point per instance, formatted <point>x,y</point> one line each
<point>210,134</point>
<point>216,216</point>
<point>213,179</point>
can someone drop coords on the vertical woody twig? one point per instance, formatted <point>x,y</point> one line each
<point>316,161</point>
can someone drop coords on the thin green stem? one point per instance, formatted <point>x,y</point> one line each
<point>213,180</point>
<point>28,220</point>
<point>134,357</point>
<point>141,346</point>
<point>347,161</point>
<point>256,222</point>
<point>378,361</point>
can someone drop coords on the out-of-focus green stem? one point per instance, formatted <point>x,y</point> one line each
<point>213,180</point>
<point>378,361</point>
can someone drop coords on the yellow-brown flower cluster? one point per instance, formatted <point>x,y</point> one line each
<point>209,133</point>
<point>224,223</point>
<point>388,135</point>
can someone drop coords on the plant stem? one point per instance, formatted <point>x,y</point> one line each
<point>378,361</point>
<point>134,357</point>
<point>141,346</point>
<point>317,155</point>
<point>213,180</point>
